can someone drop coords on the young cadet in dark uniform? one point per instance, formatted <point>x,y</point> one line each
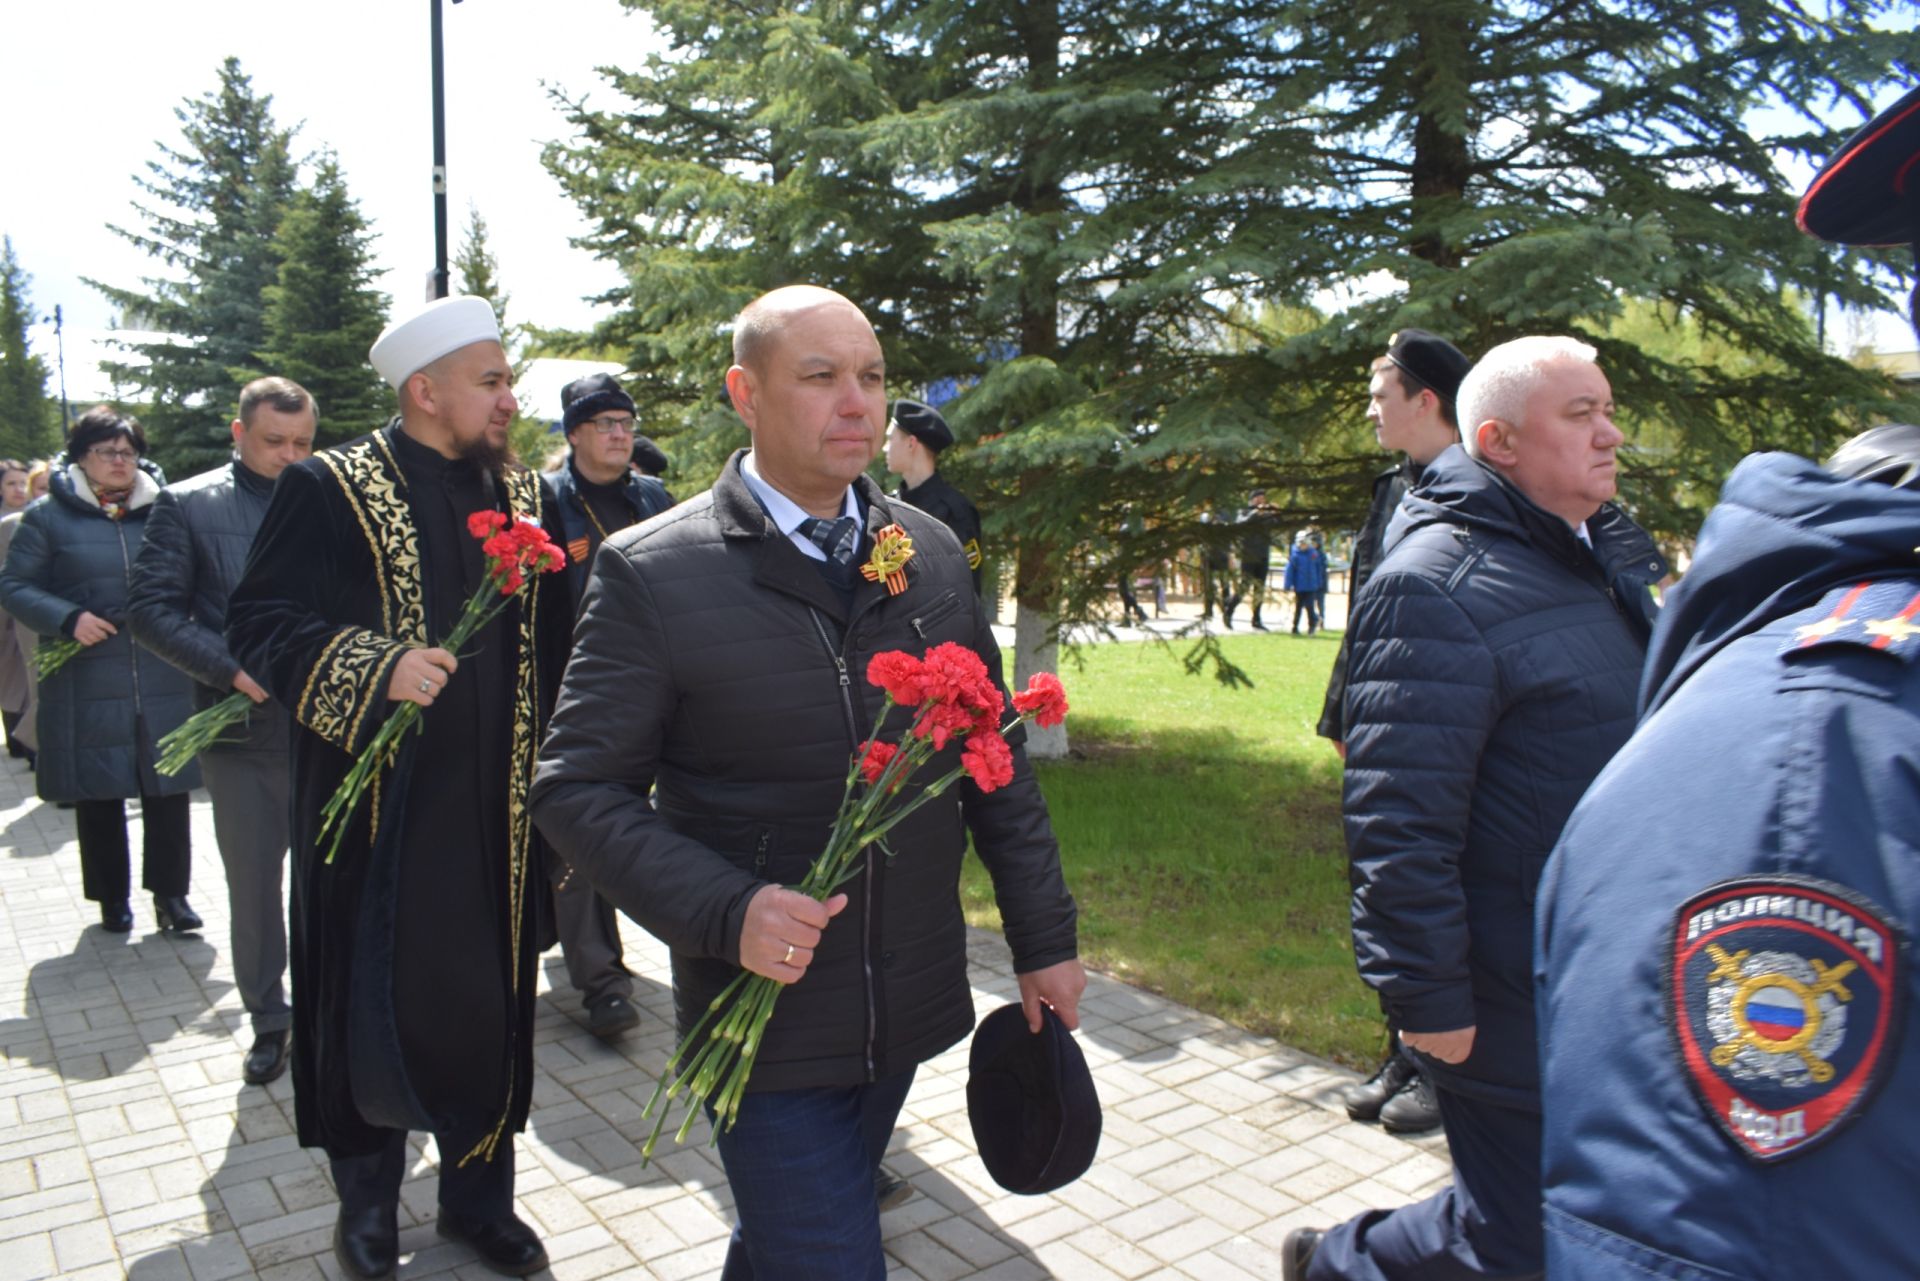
<point>599,493</point>
<point>1410,401</point>
<point>413,949</point>
<point>1731,1066</point>
<point>916,436</point>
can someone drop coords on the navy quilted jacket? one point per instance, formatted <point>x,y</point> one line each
<point>1495,663</point>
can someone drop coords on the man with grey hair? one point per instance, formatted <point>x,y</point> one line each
<point>1496,658</point>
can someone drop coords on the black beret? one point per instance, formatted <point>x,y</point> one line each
<point>1430,360</point>
<point>1866,193</point>
<point>923,423</point>
<point>1031,1101</point>
<point>649,457</point>
<point>589,397</point>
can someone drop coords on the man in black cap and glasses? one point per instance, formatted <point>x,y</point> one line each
<point>916,437</point>
<point>1410,401</point>
<point>599,494</point>
<point>1729,1086</point>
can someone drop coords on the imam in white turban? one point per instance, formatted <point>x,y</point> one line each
<point>407,346</point>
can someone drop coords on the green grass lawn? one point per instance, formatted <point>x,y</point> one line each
<point>1200,828</point>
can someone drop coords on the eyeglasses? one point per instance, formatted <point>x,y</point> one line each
<point>106,455</point>
<point>613,425</point>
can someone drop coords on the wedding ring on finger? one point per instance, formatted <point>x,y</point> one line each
<point>426,687</point>
<point>788,958</point>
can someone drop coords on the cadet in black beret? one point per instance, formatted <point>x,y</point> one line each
<point>915,436</point>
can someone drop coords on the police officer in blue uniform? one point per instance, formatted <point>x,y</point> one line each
<point>1731,1078</point>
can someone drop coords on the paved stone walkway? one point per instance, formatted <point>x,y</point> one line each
<point>130,1147</point>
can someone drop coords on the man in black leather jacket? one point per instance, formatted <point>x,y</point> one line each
<point>1496,665</point>
<point>195,547</point>
<point>719,657</point>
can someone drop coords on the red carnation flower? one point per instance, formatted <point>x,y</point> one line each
<point>900,674</point>
<point>482,523</point>
<point>875,759</point>
<point>1045,698</point>
<point>955,674</point>
<point>989,760</point>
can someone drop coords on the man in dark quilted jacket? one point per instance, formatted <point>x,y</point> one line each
<point>1496,658</point>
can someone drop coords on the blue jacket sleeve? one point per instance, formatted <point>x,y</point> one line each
<point>1422,698</point>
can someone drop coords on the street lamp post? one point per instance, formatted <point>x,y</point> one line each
<point>60,350</point>
<point>437,287</point>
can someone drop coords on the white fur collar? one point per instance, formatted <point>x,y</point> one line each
<point>145,488</point>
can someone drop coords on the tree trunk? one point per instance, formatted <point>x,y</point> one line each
<point>1034,650</point>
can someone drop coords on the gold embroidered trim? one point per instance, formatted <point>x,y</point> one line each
<point>523,499</point>
<point>341,687</point>
<point>369,476</point>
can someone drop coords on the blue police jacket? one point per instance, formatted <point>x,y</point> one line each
<point>1728,1084</point>
<point>1495,665</point>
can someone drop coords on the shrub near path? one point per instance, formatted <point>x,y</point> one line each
<point>1200,828</point>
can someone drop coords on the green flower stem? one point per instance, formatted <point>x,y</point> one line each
<point>202,730</point>
<point>52,654</point>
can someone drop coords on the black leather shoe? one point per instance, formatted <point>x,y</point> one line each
<point>116,918</point>
<point>1297,1251</point>
<point>174,914</point>
<point>890,1191</point>
<point>367,1242</point>
<point>610,1016</point>
<point>1413,1110</point>
<point>267,1059</point>
<point>507,1245</point>
<point>1365,1100</point>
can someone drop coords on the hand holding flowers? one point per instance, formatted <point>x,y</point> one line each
<point>954,700</point>
<point>517,552</point>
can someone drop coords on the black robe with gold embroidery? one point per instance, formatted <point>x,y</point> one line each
<point>413,951</point>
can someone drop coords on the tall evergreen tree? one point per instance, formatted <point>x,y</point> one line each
<point>1085,216</point>
<point>323,312</point>
<point>477,274</point>
<point>210,209</point>
<point>28,425</point>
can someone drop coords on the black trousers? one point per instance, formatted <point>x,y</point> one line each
<point>166,847</point>
<point>481,1190</point>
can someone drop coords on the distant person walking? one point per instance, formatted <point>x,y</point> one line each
<point>16,644</point>
<point>1307,579</point>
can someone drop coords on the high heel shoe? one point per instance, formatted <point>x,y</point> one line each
<point>116,918</point>
<point>174,915</point>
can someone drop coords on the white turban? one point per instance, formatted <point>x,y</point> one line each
<point>407,346</point>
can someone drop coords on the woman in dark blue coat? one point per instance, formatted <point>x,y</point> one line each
<point>66,575</point>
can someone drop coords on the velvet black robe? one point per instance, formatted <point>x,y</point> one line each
<point>413,952</point>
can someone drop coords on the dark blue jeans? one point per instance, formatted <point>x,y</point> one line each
<point>801,1166</point>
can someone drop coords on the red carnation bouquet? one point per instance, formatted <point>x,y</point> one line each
<point>953,701</point>
<point>518,551</point>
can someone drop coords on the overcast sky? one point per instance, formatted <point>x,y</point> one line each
<point>92,86</point>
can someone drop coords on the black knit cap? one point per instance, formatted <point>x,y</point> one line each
<point>923,423</point>
<point>1031,1102</point>
<point>649,457</point>
<point>589,397</point>
<point>1431,361</point>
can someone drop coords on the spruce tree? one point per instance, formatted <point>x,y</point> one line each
<point>1129,233</point>
<point>28,425</point>
<point>323,312</point>
<point>209,212</point>
<point>477,274</point>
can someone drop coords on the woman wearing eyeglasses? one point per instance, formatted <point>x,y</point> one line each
<point>100,712</point>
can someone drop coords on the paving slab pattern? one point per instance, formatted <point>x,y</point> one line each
<point>129,1146</point>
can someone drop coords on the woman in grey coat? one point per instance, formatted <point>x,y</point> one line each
<point>99,714</point>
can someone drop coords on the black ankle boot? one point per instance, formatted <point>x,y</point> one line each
<point>175,915</point>
<point>116,918</point>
